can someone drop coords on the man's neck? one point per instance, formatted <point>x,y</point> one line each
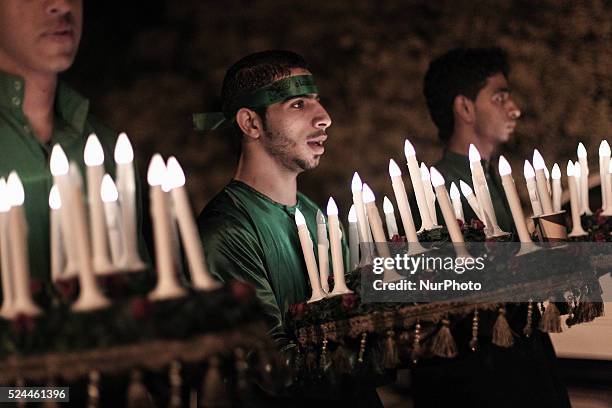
<point>267,176</point>
<point>38,99</point>
<point>459,143</point>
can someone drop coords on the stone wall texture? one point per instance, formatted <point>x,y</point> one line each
<point>147,68</point>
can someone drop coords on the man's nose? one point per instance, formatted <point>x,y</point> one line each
<point>61,7</point>
<point>514,112</point>
<point>322,120</point>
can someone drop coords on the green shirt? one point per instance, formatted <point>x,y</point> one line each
<point>249,237</point>
<point>455,167</point>
<point>21,151</point>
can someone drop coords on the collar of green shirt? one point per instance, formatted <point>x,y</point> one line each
<point>70,106</point>
<point>462,162</point>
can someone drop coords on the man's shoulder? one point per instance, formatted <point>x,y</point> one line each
<point>225,210</point>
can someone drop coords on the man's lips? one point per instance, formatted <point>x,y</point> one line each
<point>316,143</point>
<point>64,30</point>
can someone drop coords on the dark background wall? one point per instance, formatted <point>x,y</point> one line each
<point>147,65</point>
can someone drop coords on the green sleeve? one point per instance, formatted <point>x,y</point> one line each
<point>234,253</point>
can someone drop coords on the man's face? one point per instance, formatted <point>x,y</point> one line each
<point>39,36</point>
<point>495,111</point>
<point>295,130</point>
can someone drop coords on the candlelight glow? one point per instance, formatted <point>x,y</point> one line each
<point>436,178</point>
<point>454,191</point>
<point>570,168</point>
<point>320,217</point>
<point>124,153</point>
<point>4,204</point>
<point>425,176</point>
<point>394,169</point>
<point>157,170</point>
<point>556,172</point>
<point>299,218</point>
<point>368,194</point>
<point>387,206</point>
<point>332,208</point>
<point>409,149</point>
<point>108,190</point>
<point>14,190</point>
<point>356,184</point>
<point>474,154</point>
<point>176,176</point>
<point>465,188</point>
<point>94,154</point>
<point>352,216</point>
<point>538,160</point>
<point>59,161</point>
<point>577,170</point>
<point>604,148</point>
<point>504,166</point>
<point>528,170</point>
<point>55,202</point>
<point>582,153</point>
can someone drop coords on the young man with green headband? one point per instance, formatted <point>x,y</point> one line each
<point>248,230</point>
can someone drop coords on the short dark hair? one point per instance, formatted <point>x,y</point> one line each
<point>253,72</point>
<point>460,71</point>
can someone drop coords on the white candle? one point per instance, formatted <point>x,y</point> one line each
<point>353,238</point>
<point>189,233</point>
<point>59,168</point>
<point>90,296</point>
<point>5,260</point>
<point>57,246</point>
<point>168,285</point>
<point>547,175</point>
<point>445,206</point>
<point>417,185</point>
<point>608,182</point>
<point>390,218</point>
<point>505,171</point>
<point>456,199</point>
<point>336,249</point>
<point>573,181</point>
<point>309,258</point>
<point>584,180</point>
<point>323,251</point>
<point>541,184</point>
<point>482,194</point>
<point>556,188</point>
<point>126,185</point>
<point>429,193</point>
<point>18,230</point>
<point>110,195</point>
<point>94,161</point>
<point>362,222</point>
<point>604,163</point>
<point>467,192</point>
<point>399,189</point>
<point>529,174</point>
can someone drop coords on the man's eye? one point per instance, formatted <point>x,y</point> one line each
<point>298,104</point>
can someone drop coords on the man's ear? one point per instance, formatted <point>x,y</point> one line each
<point>464,109</point>
<point>250,123</point>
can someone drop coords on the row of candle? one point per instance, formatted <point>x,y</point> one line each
<point>100,238</point>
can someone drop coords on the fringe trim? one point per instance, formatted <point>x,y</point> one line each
<point>390,357</point>
<point>444,344</point>
<point>137,394</point>
<point>551,319</point>
<point>502,334</point>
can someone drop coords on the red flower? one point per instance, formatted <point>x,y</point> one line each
<point>600,219</point>
<point>67,288</point>
<point>297,310</point>
<point>477,225</point>
<point>349,301</point>
<point>460,223</point>
<point>600,237</point>
<point>241,291</point>
<point>141,308</point>
<point>398,238</point>
<point>23,323</point>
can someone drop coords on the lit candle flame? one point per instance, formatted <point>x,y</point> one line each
<point>504,166</point>
<point>387,206</point>
<point>157,171</point>
<point>299,218</point>
<point>59,162</point>
<point>474,154</point>
<point>454,191</point>
<point>14,190</point>
<point>124,154</point>
<point>425,176</point>
<point>108,190</point>
<point>465,188</point>
<point>570,168</point>
<point>176,176</point>
<point>394,169</point>
<point>368,194</point>
<point>582,153</point>
<point>356,184</point>
<point>528,170</point>
<point>409,149</point>
<point>436,178</point>
<point>604,149</point>
<point>94,154</point>
<point>332,208</point>
<point>556,172</point>
<point>55,201</point>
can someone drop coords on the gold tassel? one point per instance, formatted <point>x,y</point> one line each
<point>390,358</point>
<point>474,340</point>
<point>502,334</point>
<point>93,389</point>
<point>340,360</point>
<point>214,393</point>
<point>137,394</point>
<point>444,344</point>
<point>551,319</point>
<point>242,366</point>
<point>362,346</point>
<point>323,360</point>
<point>176,381</point>
<point>528,330</point>
<point>416,344</point>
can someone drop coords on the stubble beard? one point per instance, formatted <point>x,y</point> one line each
<point>284,150</point>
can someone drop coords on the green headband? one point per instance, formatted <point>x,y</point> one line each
<point>278,91</point>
